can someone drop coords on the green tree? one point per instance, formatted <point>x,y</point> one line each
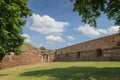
<point>12,18</point>
<point>42,48</point>
<point>90,10</point>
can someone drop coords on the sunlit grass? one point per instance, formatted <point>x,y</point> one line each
<point>84,70</point>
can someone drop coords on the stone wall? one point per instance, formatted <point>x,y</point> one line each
<point>27,58</point>
<point>18,60</point>
<point>103,43</point>
<point>105,55</point>
<point>95,49</point>
<point>29,49</point>
<point>30,55</point>
<point>48,55</point>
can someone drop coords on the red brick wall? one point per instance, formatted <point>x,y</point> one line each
<point>103,43</point>
<point>88,49</point>
<point>107,55</point>
<point>17,60</point>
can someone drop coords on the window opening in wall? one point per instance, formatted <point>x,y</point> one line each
<point>67,55</point>
<point>99,52</point>
<point>61,52</point>
<point>55,53</point>
<point>112,40</point>
<point>78,54</point>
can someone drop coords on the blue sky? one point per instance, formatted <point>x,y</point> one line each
<point>54,25</point>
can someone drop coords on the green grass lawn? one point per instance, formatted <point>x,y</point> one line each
<point>83,70</point>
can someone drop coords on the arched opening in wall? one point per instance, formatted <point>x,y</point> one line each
<point>45,57</point>
<point>99,52</point>
<point>78,54</point>
<point>66,55</point>
<point>61,52</point>
<point>55,53</point>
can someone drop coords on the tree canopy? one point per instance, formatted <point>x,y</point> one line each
<point>42,48</point>
<point>12,18</point>
<point>90,10</point>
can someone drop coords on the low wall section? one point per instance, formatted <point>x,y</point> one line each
<point>17,60</point>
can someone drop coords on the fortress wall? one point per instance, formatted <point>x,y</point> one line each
<point>89,50</point>
<point>107,55</point>
<point>103,43</point>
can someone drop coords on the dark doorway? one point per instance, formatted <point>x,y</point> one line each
<point>78,54</point>
<point>45,57</point>
<point>66,55</point>
<point>61,52</point>
<point>99,52</point>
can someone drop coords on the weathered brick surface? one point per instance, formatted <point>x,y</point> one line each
<point>26,59</point>
<point>88,50</point>
<point>30,55</point>
<point>28,49</point>
<point>90,55</point>
<point>17,60</point>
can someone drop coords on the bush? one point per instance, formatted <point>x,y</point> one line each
<point>118,44</point>
<point>17,51</point>
<point>42,48</point>
<point>2,51</point>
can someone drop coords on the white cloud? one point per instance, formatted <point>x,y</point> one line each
<point>47,25</point>
<point>71,38</point>
<point>87,30</point>
<point>52,38</point>
<point>113,29</point>
<point>27,38</point>
<point>91,31</point>
<point>103,31</point>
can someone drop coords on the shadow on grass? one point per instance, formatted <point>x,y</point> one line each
<point>3,74</point>
<point>78,73</point>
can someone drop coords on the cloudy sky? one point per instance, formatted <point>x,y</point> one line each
<point>54,25</point>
